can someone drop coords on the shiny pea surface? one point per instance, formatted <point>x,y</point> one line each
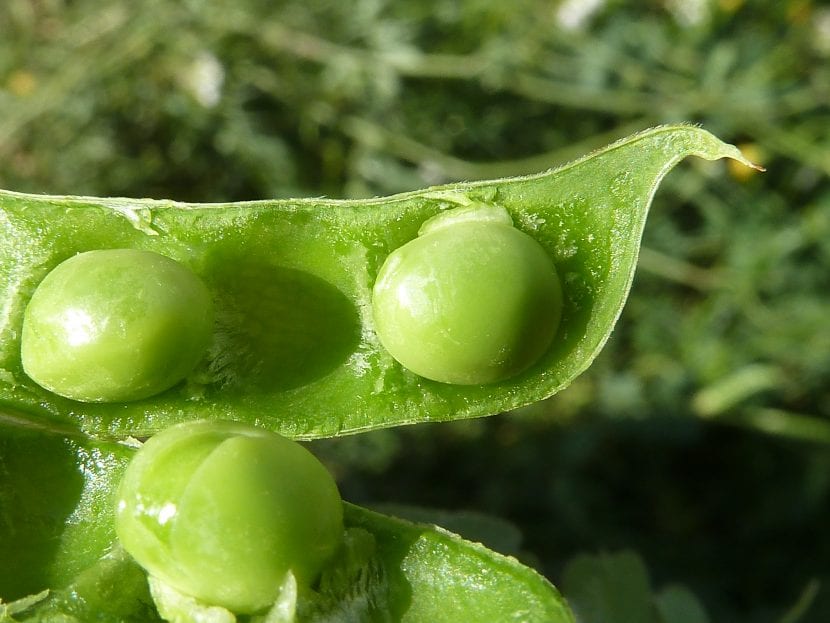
<point>470,301</point>
<point>115,325</point>
<point>223,511</point>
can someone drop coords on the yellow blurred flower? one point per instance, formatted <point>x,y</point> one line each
<point>21,82</point>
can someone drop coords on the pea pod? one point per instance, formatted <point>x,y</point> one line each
<point>294,346</point>
<point>57,496</point>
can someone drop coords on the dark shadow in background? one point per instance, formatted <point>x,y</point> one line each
<point>740,518</point>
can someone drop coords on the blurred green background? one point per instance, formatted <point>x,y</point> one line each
<point>700,439</point>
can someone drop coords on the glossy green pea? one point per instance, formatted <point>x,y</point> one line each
<point>223,511</point>
<point>472,300</point>
<point>115,325</point>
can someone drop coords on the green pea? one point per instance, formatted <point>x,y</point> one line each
<point>115,325</point>
<point>223,511</point>
<point>472,300</point>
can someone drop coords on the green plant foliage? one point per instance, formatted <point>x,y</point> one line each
<point>699,436</point>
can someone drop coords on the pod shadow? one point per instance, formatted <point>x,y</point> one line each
<point>277,328</point>
<point>40,486</point>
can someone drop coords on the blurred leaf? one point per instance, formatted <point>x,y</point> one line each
<point>615,588</point>
<point>677,604</point>
<point>802,606</point>
<point>609,588</point>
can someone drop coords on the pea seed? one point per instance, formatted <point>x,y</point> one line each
<point>223,511</point>
<point>472,300</point>
<point>115,325</point>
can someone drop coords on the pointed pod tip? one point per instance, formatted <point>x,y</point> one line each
<point>691,139</point>
<point>746,155</point>
<point>748,163</point>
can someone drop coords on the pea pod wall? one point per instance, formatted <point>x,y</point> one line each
<point>294,348</point>
<point>58,510</point>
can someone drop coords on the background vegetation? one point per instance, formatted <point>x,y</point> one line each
<point>698,445</point>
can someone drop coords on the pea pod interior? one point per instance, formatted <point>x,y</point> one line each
<point>294,348</point>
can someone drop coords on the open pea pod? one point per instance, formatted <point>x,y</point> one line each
<point>58,505</point>
<point>418,573</point>
<point>294,347</point>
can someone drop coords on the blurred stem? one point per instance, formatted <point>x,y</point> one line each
<point>790,143</point>
<point>416,64</point>
<point>376,136</point>
<point>677,270</point>
<point>571,95</point>
<point>721,396</point>
<point>782,423</point>
<point>802,605</point>
<point>535,85</point>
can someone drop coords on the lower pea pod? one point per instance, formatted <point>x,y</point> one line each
<point>193,505</point>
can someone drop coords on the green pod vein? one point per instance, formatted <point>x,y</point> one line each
<point>294,348</point>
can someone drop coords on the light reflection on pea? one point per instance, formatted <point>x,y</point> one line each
<point>115,325</point>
